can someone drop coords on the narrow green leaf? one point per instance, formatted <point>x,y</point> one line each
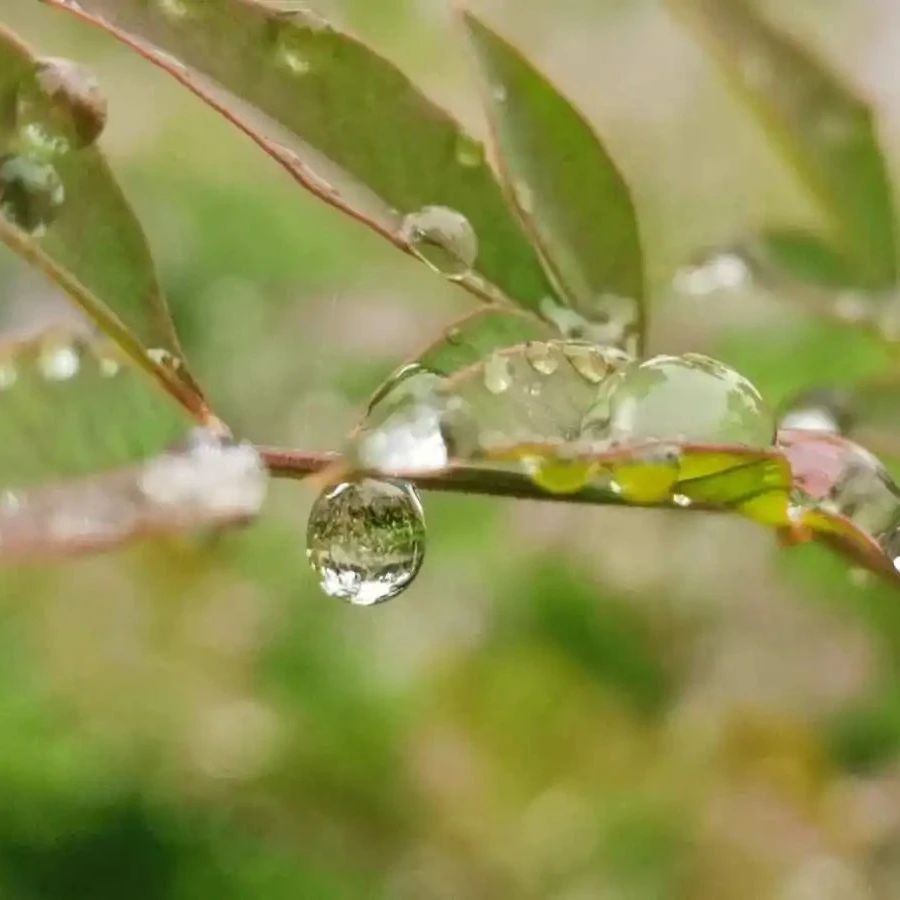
<point>86,227</point>
<point>795,255</point>
<point>823,129</point>
<point>567,189</point>
<point>338,97</point>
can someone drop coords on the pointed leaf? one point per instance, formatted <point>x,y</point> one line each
<point>341,99</point>
<point>566,187</point>
<point>87,229</point>
<point>824,130</point>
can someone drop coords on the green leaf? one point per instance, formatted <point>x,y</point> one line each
<point>91,233</point>
<point>822,128</point>
<point>338,97</point>
<point>794,255</point>
<point>92,455</point>
<point>567,189</point>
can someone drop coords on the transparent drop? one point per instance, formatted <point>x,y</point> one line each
<point>865,493</point>
<point>497,373</point>
<point>59,362</point>
<point>651,475</point>
<point>454,336</point>
<point>470,152</point>
<point>499,93</point>
<point>594,363</point>
<point>544,358</point>
<point>163,357</point>
<point>366,540</point>
<point>560,476</point>
<point>443,238</point>
<point>59,106</point>
<point>31,193</point>
<point>404,427</point>
<point>681,500</point>
<point>688,398</point>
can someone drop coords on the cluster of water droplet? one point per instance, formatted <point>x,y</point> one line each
<point>58,110</point>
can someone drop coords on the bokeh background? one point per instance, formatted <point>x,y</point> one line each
<point>577,704</point>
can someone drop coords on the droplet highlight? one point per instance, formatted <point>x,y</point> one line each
<point>497,373</point>
<point>366,540</point>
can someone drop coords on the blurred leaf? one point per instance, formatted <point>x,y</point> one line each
<point>338,97</point>
<point>67,412</point>
<point>93,234</point>
<point>799,256</point>
<point>825,131</point>
<point>565,186</point>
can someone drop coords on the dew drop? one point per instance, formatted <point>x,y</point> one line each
<point>59,106</point>
<point>497,374</point>
<point>366,540</point>
<point>651,473</point>
<point>454,336</point>
<point>688,398</point>
<point>681,500</point>
<point>543,357</point>
<point>592,362</point>
<point>31,193</point>
<point>59,362</point>
<point>175,10</point>
<point>865,493</point>
<point>499,93</point>
<point>443,238</point>
<point>560,476</point>
<point>163,357</point>
<point>470,151</point>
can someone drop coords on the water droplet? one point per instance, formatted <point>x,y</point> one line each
<point>688,398</point>
<point>497,374</point>
<point>470,151</point>
<point>442,238</point>
<point>864,492</point>
<point>454,336</point>
<point>681,500</point>
<point>59,362</point>
<point>609,320</point>
<point>592,362</point>
<point>31,193</point>
<point>560,476</point>
<point>543,357</point>
<point>728,271</point>
<point>175,10</point>
<point>59,106</point>
<point>163,357</point>
<point>499,93</point>
<point>109,367</point>
<point>403,430</point>
<point>366,540</point>
<point>650,475</point>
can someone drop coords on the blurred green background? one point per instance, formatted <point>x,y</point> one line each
<point>569,703</point>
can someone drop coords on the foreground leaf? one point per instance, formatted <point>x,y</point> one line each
<point>825,131</point>
<point>335,95</point>
<point>71,408</point>
<point>88,230</point>
<point>567,189</point>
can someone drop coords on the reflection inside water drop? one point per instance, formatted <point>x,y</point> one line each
<point>31,193</point>
<point>366,540</point>
<point>725,271</point>
<point>443,238</point>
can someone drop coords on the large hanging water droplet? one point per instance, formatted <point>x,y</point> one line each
<point>688,398</point>
<point>366,540</point>
<point>59,106</point>
<point>592,362</point>
<point>31,193</point>
<point>865,493</point>
<point>560,476</point>
<point>443,238</point>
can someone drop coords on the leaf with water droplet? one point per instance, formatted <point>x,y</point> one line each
<point>335,95</point>
<point>66,203</point>
<point>825,131</point>
<point>443,238</point>
<point>568,191</point>
<point>87,458</point>
<point>366,540</point>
